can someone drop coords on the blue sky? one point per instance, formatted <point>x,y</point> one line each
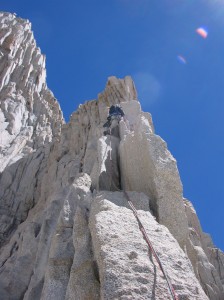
<point>86,41</point>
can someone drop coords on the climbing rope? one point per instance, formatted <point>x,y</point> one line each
<point>141,227</point>
<point>171,289</point>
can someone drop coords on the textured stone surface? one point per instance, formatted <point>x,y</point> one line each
<point>127,269</point>
<point>207,260</point>
<point>29,114</point>
<point>66,231</point>
<point>156,174</point>
<point>30,118</point>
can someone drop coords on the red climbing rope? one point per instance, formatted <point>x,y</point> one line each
<point>141,227</point>
<point>171,289</point>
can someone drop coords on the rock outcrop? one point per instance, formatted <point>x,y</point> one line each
<point>66,229</point>
<point>30,116</point>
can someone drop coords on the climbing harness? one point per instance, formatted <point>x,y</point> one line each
<point>141,227</point>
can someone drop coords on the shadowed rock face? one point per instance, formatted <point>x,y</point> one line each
<point>66,230</point>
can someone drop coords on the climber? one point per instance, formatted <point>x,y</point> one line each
<point>115,112</point>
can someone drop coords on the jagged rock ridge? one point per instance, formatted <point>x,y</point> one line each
<point>66,230</point>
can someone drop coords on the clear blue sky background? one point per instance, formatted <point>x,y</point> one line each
<point>86,41</point>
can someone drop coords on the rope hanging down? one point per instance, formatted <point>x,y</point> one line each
<point>141,227</point>
<point>171,289</point>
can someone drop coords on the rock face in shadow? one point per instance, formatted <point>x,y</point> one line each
<point>66,229</point>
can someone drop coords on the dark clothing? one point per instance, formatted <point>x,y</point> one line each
<point>115,112</point>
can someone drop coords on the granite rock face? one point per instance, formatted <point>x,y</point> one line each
<point>30,116</point>
<point>121,249</point>
<point>66,229</point>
